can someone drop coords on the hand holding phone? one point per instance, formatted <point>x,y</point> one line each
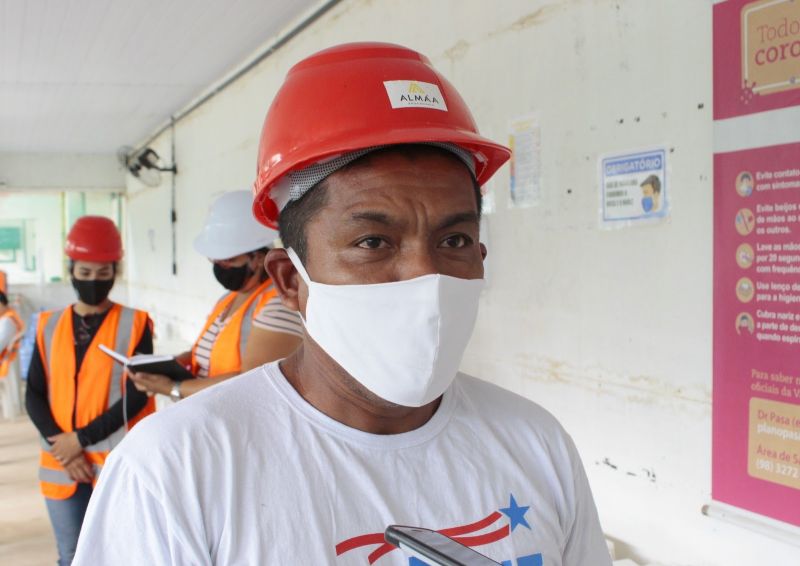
<point>434,548</point>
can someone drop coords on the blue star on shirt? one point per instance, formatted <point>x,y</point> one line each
<point>516,513</point>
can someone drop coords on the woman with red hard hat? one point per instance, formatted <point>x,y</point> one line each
<point>78,397</point>
<point>248,326</point>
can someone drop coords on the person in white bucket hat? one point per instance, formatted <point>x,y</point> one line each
<point>248,326</point>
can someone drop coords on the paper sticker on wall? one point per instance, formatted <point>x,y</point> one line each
<point>525,143</point>
<point>633,188</point>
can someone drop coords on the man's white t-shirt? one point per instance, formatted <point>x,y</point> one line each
<point>248,472</point>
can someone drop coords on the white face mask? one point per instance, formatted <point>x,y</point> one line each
<point>402,340</point>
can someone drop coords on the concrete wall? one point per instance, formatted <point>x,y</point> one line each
<point>609,330</point>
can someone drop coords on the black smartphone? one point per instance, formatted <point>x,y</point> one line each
<point>434,548</point>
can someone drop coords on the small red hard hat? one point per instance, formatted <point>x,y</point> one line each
<point>94,238</point>
<point>360,95</point>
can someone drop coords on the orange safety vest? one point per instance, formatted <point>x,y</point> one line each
<point>228,349</point>
<point>99,384</point>
<point>3,282</point>
<point>9,354</point>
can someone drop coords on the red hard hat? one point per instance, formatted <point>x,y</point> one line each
<point>94,238</point>
<point>360,95</point>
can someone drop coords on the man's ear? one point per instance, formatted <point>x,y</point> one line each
<point>284,276</point>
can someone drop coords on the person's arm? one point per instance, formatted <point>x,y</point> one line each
<point>106,424</point>
<point>272,337</point>
<point>156,383</point>
<point>80,469</point>
<point>264,346</point>
<point>64,445</point>
<point>585,543</point>
<point>36,400</point>
<point>276,332</point>
<point>127,523</point>
<point>152,383</point>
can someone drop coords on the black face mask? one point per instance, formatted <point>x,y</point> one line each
<point>92,291</point>
<point>233,278</point>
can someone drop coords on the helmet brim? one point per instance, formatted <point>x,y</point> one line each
<point>489,157</point>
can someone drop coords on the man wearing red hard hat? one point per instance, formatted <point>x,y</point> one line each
<point>371,166</point>
<point>77,396</point>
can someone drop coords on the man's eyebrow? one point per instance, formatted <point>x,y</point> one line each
<point>370,216</point>
<point>470,217</point>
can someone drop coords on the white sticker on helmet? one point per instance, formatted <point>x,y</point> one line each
<point>414,94</point>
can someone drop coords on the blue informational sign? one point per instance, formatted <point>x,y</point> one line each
<point>634,187</point>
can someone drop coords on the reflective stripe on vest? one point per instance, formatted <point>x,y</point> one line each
<point>84,393</point>
<point>54,476</point>
<point>228,349</point>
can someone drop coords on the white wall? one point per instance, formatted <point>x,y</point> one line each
<point>60,171</point>
<point>43,212</point>
<point>609,330</point>
<point>43,189</point>
<point>46,217</point>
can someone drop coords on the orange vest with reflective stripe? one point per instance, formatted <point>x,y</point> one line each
<point>228,349</point>
<point>10,353</point>
<point>100,383</point>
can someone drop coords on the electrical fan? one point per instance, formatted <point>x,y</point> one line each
<point>145,165</point>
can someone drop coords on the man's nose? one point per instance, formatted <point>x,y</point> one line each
<point>415,263</point>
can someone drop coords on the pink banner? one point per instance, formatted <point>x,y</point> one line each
<point>756,398</point>
<point>756,435</point>
<point>756,56</point>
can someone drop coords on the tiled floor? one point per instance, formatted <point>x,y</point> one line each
<point>25,535</point>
